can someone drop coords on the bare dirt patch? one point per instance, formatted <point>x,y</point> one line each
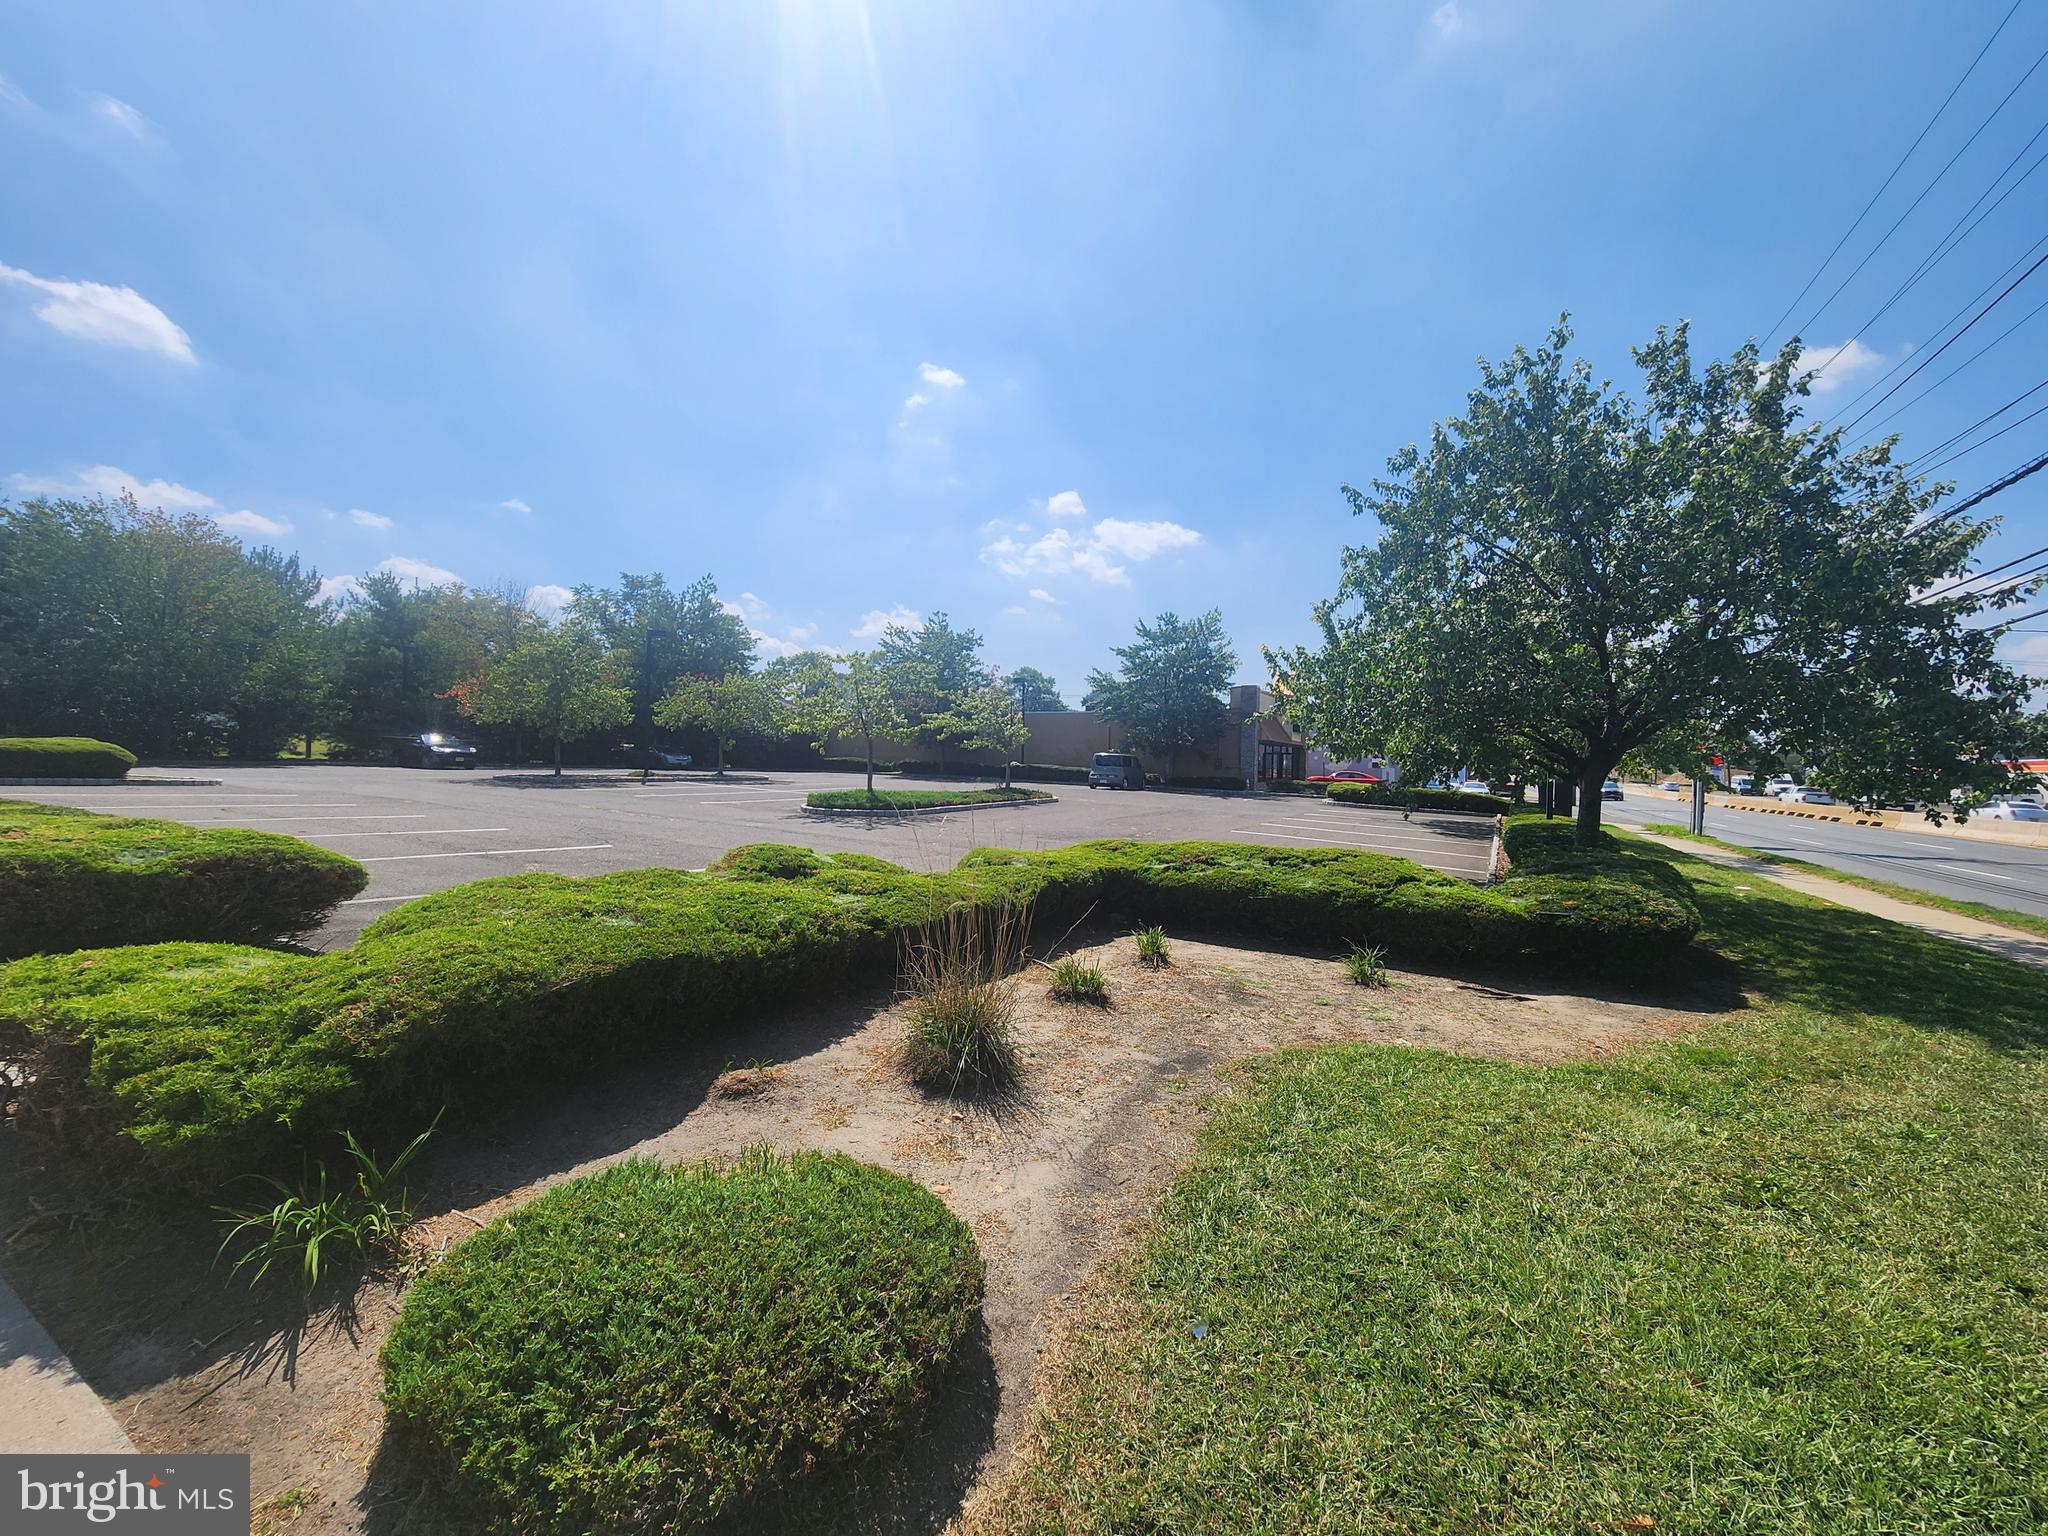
<point>1050,1180</point>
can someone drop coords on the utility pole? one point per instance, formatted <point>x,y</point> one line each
<point>1699,808</point>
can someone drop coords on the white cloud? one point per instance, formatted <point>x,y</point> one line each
<point>548,600</point>
<point>1039,594</point>
<point>12,95</point>
<point>1094,553</point>
<point>514,504</point>
<point>106,480</point>
<point>939,378</point>
<point>364,519</point>
<point>1448,20</point>
<point>114,110</point>
<point>1066,504</point>
<point>246,521</point>
<point>114,317</point>
<point>875,620</point>
<point>334,589</point>
<point>1016,611</point>
<point>916,402</point>
<point>95,312</point>
<point>1141,541</point>
<point>418,572</point>
<point>1840,364</point>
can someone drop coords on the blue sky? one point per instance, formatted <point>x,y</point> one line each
<point>1049,316</point>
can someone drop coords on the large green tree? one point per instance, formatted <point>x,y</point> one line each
<point>848,696</point>
<point>726,708</point>
<point>932,670</point>
<point>658,633</point>
<point>1034,691</point>
<point>559,683</point>
<point>1172,683</point>
<point>990,720</point>
<point>1563,576</point>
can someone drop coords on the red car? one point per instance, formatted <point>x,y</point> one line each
<point>1343,776</point>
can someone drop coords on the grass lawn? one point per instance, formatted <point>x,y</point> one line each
<point>915,799</point>
<point>1788,1275</point>
<point>1985,910</point>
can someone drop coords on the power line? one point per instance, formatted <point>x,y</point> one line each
<point>1963,453</point>
<point>1992,629</point>
<point>1964,581</point>
<point>2003,482</point>
<point>1920,347</point>
<point>1914,400</point>
<point>1932,183</point>
<point>1959,335</point>
<point>1858,222</point>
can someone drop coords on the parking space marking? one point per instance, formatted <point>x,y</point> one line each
<point>414,832</point>
<point>367,901</point>
<point>482,853</point>
<point>237,821</point>
<point>202,804</point>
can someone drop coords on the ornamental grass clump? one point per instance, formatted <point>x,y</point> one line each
<point>959,971</point>
<point>1073,982</point>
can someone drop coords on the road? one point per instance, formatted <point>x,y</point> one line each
<point>1962,869</point>
<point>422,830</point>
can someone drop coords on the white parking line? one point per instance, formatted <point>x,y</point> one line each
<point>1967,869</point>
<point>366,901</point>
<point>202,805</point>
<point>414,832</point>
<point>239,821</point>
<point>708,796</point>
<point>1478,859</point>
<point>481,853</point>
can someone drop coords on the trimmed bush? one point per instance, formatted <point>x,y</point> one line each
<point>853,765</point>
<point>914,799</point>
<point>1421,799</point>
<point>1027,773</point>
<point>219,1058</point>
<point>1206,781</point>
<point>62,757</point>
<point>72,879</point>
<point>1293,787</point>
<point>651,1349</point>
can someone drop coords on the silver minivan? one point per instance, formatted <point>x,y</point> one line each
<point>1115,770</point>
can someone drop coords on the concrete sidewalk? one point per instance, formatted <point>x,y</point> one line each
<point>44,1406</point>
<point>2013,943</point>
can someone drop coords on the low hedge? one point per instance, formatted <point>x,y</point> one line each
<point>853,765</point>
<point>62,757</point>
<point>72,879</point>
<point>1205,781</point>
<point>914,799</point>
<point>651,1349</point>
<point>1422,799</point>
<point>1028,773</point>
<point>215,1059</point>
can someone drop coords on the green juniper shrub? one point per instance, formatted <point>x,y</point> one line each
<point>313,1226</point>
<point>62,757</point>
<point>1366,965</point>
<point>72,879</point>
<point>1152,950</point>
<point>651,1348</point>
<point>1073,982</point>
<point>212,1059</point>
<point>914,799</point>
<point>959,972</point>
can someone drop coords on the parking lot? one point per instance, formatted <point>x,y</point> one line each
<point>421,830</point>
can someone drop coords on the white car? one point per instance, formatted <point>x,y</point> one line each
<point>1476,787</point>
<point>2012,810</point>
<point>1778,783</point>
<point>1799,795</point>
<point>1676,787</point>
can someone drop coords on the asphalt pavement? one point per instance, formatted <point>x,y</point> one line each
<point>1962,869</point>
<point>421,830</point>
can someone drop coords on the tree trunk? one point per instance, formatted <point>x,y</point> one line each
<point>1587,831</point>
<point>558,757</point>
<point>871,767</point>
<point>721,757</point>
<point>1006,770</point>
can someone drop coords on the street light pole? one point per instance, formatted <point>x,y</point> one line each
<point>647,690</point>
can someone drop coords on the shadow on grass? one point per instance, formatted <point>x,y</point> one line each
<point>911,1484</point>
<point>1792,949</point>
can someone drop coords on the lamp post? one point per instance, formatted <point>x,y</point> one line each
<point>647,690</point>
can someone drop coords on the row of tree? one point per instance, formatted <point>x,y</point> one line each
<point>1567,579</point>
<point>165,634</point>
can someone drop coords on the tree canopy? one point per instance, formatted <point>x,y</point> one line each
<point>850,695</point>
<point>931,672</point>
<point>1034,691</point>
<point>1173,682</point>
<point>560,683</point>
<point>660,633</point>
<point>1563,576</point>
<point>727,708</point>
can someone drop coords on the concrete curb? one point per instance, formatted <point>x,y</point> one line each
<point>118,783</point>
<point>842,811</point>
<point>45,1408</point>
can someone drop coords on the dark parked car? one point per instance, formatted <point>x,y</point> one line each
<point>653,757</point>
<point>432,749</point>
